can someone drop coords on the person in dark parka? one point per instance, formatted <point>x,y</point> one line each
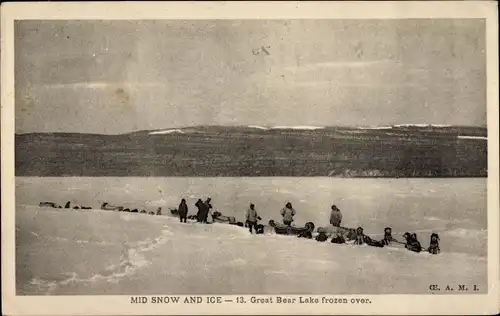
<point>199,207</point>
<point>202,214</point>
<point>208,209</point>
<point>183,210</point>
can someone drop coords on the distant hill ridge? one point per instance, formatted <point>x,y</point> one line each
<point>476,130</point>
<point>462,130</point>
<point>216,151</point>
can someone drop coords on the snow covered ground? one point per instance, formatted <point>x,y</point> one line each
<point>62,251</point>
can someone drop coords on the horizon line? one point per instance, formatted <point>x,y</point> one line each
<point>264,127</point>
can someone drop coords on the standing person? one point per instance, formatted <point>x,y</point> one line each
<point>288,213</point>
<point>200,215</point>
<point>208,209</point>
<point>183,210</point>
<point>335,216</point>
<point>251,218</point>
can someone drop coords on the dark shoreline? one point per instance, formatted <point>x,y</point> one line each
<point>404,152</point>
<point>395,178</point>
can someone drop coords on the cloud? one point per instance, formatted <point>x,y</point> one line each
<point>342,64</point>
<point>368,74</point>
<point>101,85</point>
<point>380,85</point>
<point>343,84</point>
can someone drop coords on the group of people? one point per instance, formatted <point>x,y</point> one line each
<point>288,212</point>
<point>204,209</point>
<point>339,235</point>
<point>343,234</point>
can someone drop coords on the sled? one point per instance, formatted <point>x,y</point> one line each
<point>217,217</point>
<point>48,204</point>
<point>108,207</point>
<point>330,230</point>
<point>283,229</point>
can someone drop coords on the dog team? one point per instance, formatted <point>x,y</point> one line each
<point>342,235</point>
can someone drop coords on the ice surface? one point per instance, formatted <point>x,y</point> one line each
<point>65,251</point>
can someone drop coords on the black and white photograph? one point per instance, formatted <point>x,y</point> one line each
<point>260,157</point>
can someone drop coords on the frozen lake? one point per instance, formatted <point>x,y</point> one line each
<point>96,252</point>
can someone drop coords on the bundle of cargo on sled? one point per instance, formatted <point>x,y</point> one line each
<point>345,234</point>
<point>283,229</point>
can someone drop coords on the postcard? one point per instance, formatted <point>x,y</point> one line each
<point>239,158</point>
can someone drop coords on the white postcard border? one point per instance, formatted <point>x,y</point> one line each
<point>380,304</point>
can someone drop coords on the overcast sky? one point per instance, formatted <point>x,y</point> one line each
<point>120,76</point>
